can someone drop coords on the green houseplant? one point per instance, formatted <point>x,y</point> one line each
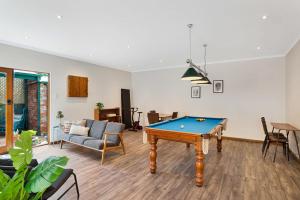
<point>59,116</point>
<point>29,184</point>
<point>100,105</point>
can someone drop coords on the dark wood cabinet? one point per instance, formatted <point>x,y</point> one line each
<point>110,114</point>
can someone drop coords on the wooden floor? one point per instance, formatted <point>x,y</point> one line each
<point>239,172</point>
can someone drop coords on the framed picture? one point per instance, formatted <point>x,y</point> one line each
<point>195,91</point>
<point>218,86</point>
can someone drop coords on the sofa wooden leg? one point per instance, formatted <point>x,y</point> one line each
<point>61,144</point>
<point>102,156</point>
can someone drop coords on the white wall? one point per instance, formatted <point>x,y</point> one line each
<point>293,91</point>
<point>251,89</point>
<point>104,83</point>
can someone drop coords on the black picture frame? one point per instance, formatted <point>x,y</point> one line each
<point>195,92</point>
<point>218,86</point>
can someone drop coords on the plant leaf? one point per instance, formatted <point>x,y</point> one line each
<point>4,178</point>
<point>21,154</point>
<point>14,186</point>
<point>46,173</point>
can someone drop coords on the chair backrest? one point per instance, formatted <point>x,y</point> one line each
<point>263,121</point>
<point>174,115</point>
<point>114,127</point>
<point>152,111</point>
<point>153,118</point>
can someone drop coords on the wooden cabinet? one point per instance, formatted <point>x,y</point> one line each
<point>110,114</point>
<point>77,86</point>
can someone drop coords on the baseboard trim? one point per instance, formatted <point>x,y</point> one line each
<point>241,139</point>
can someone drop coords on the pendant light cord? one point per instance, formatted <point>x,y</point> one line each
<point>190,36</point>
<point>205,57</point>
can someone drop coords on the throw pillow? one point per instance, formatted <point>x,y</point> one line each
<point>79,130</point>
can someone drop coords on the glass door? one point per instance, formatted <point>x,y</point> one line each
<point>6,109</point>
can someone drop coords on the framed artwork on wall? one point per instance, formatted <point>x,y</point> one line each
<point>218,86</point>
<point>195,91</point>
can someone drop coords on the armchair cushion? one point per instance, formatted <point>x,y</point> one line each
<point>97,129</point>
<point>80,139</point>
<point>97,144</point>
<point>114,127</point>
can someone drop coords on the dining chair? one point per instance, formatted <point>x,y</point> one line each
<point>152,111</point>
<point>153,118</point>
<point>174,115</point>
<point>271,137</point>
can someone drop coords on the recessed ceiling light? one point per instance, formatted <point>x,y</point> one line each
<point>128,65</point>
<point>264,17</point>
<point>27,37</point>
<point>128,46</point>
<point>258,48</point>
<point>59,17</point>
<point>160,60</point>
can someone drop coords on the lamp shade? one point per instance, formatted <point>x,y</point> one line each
<point>203,81</point>
<point>191,74</point>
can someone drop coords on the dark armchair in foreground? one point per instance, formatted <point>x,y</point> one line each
<point>6,165</point>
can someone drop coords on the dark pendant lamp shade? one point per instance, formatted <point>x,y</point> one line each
<point>191,74</point>
<point>203,81</point>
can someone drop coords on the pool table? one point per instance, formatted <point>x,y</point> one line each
<point>189,130</point>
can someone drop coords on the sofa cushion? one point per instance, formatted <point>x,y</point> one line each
<point>64,136</point>
<point>78,139</point>
<point>89,123</point>
<point>114,127</point>
<point>97,144</point>
<point>97,129</point>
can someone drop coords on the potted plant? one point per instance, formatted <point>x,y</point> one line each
<point>29,184</point>
<point>59,116</point>
<point>100,105</point>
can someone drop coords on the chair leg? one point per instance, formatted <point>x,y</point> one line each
<point>122,143</point>
<point>267,148</point>
<point>275,152</point>
<point>287,149</point>
<point>61,144</point>
<point>76,184</point>
<point>264,146</point>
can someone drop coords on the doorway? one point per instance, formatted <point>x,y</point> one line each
<point>6,109</point>
<point>24,105</point>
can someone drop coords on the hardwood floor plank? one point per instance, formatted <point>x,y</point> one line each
<point>238,172</point>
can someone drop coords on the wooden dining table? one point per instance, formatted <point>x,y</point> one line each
<point>288,128</point>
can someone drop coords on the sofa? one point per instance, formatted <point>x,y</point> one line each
<point>102,136</point>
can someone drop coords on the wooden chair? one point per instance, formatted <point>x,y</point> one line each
<point>153,118</point>
<point>152,111</point>
<point>276,138</point>
<point>174,115</point>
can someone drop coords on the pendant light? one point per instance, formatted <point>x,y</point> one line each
<point>205,79</point>
<point>191,73</point>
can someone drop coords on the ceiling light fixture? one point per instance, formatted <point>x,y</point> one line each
<point>194,73</point>
<point>264,17</point>
<point>128,46</point>
<point>59,17</point>
<point>258,48</point>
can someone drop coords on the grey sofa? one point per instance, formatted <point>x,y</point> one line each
<point>102,136</point>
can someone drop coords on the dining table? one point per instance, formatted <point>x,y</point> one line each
<point>163,116</point>
<point>287,128</point>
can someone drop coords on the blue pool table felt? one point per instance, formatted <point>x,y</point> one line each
<point>191,125</point>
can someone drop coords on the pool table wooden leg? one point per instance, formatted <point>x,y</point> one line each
<point>219,144</point>
<point>153,153</point>
<point>199,165</point>
<point>188,145</point>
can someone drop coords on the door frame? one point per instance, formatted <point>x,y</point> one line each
<point>9,110</point>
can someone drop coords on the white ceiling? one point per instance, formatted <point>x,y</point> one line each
<point>99,31</point>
